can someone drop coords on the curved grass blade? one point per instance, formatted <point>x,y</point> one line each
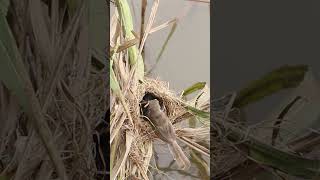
<point>277,124</point>
<point>163,48</point>
<point>286,162</point>
<point>277,80</point>
<point>266,154</point>
<point>195,87</point>
<point>197,112</point>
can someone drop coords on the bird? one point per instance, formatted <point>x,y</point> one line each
<point>164,129</point>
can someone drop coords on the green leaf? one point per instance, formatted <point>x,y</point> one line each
<point>127,25</point>
<point>195,87</point>
<point>114,82</point>
<point>197,112</point>
<point>4,5</point>
<point>10,77</point>
<point>11,70</point>
<point>268,155</point>
<point>284,161</point>
<point>279,79</point>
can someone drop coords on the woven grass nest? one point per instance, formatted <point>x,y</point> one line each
<point>140,134</point>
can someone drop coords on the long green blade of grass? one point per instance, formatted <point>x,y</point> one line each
<point>12,68</point>
<point>195,87</point>
<point>114,85</point>
<point>266,154</point>
<point>277,80</point>
<point>286,162</point>
<point>134,57</point>
<point>11,77</point>
<point>197,112</point>
<point>163,48</point>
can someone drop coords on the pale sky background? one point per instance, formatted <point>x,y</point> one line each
<point>186,59</point>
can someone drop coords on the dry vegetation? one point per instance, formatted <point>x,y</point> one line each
<point>53,90</point>
<point>131,136</point>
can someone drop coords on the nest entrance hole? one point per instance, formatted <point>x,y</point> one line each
<point>147,97</point>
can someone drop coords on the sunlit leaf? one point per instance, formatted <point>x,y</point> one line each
<point>195,87</point>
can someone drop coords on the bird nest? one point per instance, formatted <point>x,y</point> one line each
<point>131,136</point>
<point>135,137</point>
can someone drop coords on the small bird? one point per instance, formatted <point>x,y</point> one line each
<point>166,132</point>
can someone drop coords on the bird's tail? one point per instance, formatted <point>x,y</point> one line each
<point>181,159</point>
